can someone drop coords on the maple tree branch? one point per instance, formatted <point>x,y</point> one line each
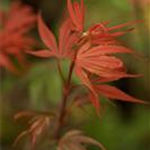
<point>66,90</point>
<point>61,116</point>
<point>71,68</point>
<point>70,72</point>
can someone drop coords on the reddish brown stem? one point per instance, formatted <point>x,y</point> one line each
<point>60,71</point>
<point>61,116</point>
<point>66,90</point>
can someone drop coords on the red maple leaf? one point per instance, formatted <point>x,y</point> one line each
<point>14,42</point>
<point>98,60</point>
<point>110,92</point>
<point>66,40</point>
<point>98,33</point>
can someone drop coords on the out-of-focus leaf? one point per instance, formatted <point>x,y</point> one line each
<point>44,84</point>
<point>38,124</point>
<point>75,139</point>
<point>123,5</point>
<point>134,130</point>
<point>4,4</point>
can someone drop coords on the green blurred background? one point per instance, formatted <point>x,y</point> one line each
<point>124,126</point>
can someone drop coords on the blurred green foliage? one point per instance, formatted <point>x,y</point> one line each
<point>122,134</point>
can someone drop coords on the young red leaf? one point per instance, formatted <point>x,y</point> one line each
<point>94,61</point>
<point>66,40</point>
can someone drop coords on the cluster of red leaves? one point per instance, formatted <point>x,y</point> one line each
<point>91,51</point>
<point>14,26</point>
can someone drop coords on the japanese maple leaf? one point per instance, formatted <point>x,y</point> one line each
<point>111,92</point>
<point>15,24</point>
<point>98,60</point>
<point>66,40</point>
<point>98,33</point>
